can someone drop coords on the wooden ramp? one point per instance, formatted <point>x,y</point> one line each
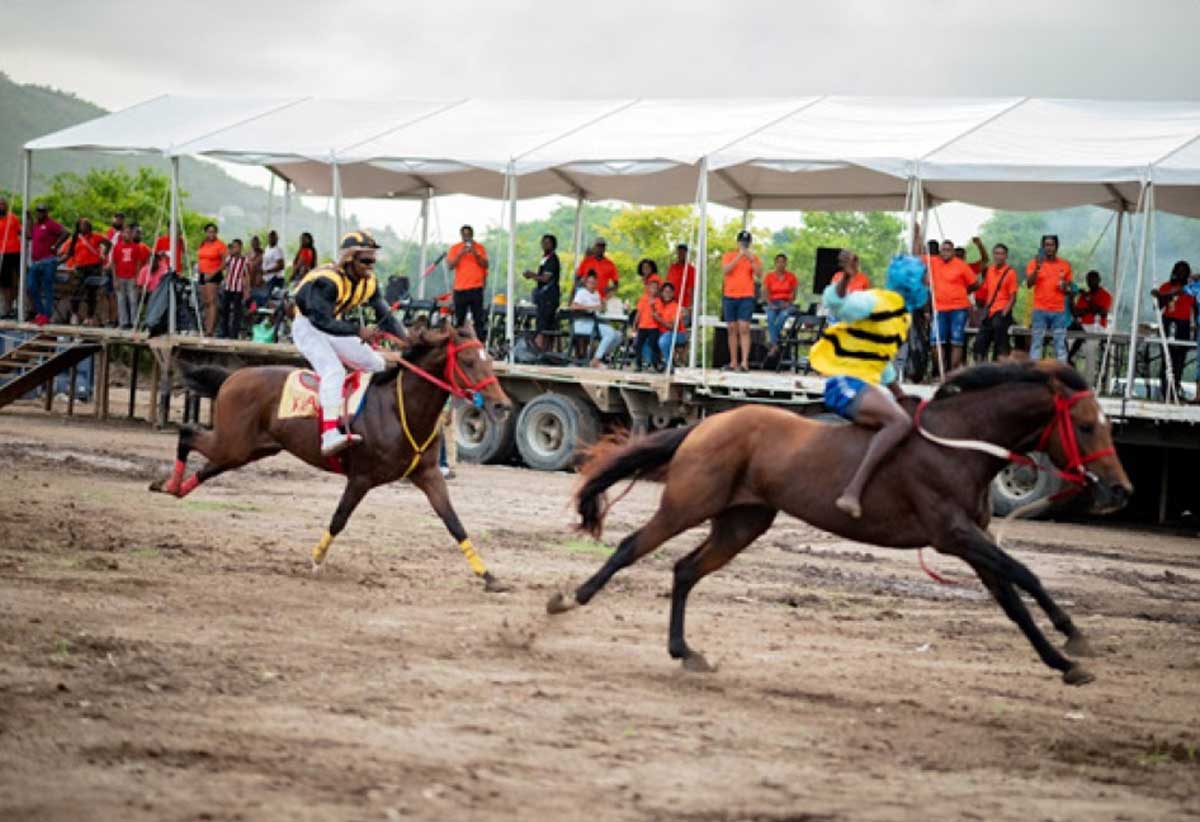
<point>36,361</point>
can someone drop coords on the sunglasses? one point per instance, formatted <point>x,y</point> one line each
<point>364,259</point>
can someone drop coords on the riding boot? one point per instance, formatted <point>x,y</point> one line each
<point>333,439</point>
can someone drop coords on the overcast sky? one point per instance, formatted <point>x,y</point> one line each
<point>118,53</point>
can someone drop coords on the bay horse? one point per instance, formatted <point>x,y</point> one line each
<point>740,468</point>
<point>399,424</point>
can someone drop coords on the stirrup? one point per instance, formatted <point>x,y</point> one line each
<point>339,445</point>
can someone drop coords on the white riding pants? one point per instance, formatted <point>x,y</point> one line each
<point>326,353</point>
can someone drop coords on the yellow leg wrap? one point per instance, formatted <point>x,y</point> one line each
<point>472,558</point>
<point>322,548</point>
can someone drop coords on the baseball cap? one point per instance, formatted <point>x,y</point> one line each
<point>744,236</point>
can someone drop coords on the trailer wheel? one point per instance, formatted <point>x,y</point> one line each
<point>1019,485</point>
<point>480,439</point>
<point>552,428</point>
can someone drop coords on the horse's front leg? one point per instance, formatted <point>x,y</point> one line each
<point>356,489</point>
<point>429,479</point>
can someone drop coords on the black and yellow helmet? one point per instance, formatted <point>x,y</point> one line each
<point>358,241</point>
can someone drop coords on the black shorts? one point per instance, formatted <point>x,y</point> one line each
<point>547,314</point>
<point>212,279</point>
<point>10,267</point>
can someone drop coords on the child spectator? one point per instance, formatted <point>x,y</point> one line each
<point>646,342</point>
<point>162,246</point>
<point>235,290</point>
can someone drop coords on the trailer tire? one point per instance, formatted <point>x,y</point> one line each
<point>481,439</point>
<point>553,428</point>
<point>1019,485</point>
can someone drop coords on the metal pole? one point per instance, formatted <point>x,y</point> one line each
<point>1147,208</point>
<point>337,209</point>
<point>1116,266</point>
<point>510,304</point>
<point>26,165</point>
<point>270,201</point>
<point>173,233</point>
<point>746,215</point>
<point>424,244</point>
<point>700,295</point>
<point>283,220</point>
<point>577,234</point>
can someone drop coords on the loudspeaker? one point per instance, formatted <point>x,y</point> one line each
<point>825,268</point>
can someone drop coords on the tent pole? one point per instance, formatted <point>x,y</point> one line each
<point>270,201</point>
<point>283,218</point>
<point>173,247</point>
<point>746,215</point>
<point>337,209</point>
<point>424,253</point>
<point>511,286</point>
<point>700,295</point>
<point>1116,266</point>
<point>1131,366</point>
<point>577,236</point>
<point>26,167</point>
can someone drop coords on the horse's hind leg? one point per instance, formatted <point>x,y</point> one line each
<point>356,488</point>
<point>183,447</point>
<point>732,530</point>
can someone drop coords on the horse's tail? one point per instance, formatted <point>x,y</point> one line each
<point>613,459</point>
<point>205,380</point>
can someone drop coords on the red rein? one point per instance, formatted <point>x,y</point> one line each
<point>465,390</point>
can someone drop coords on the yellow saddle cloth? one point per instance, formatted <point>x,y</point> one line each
<point>300,394</point>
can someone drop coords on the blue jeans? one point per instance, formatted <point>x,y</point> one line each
<point>665,342</point>
<point>1056,323</point>
<point>949,327</point>
<point>40,282</point>
<point>776,317</point>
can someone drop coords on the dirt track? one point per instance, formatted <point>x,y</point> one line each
<point>164,659</point>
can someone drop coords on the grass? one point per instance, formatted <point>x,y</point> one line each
<point>146,553</point>
<point>218,505</point>
<point>583,545</point>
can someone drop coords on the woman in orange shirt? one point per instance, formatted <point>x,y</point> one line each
<point>305,259</point>
<point>210,259</point>
<point>84,252</point>
<point>781,298</point>
<point>667,314</point>
<point>741,269</point>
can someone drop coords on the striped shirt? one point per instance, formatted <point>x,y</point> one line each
<point>235,274</point>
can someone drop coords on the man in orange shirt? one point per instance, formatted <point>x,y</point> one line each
<point>469,262</point>
<point>996,297</point>
<point>84,253</point>
<point>604,269</point>
<point>952,282</point>
<point>682,275</point>
<point>780,285</point>
<point>1050,278</point>
<point>741,269</point>
<point>848,266</point>
<point>10,258</point>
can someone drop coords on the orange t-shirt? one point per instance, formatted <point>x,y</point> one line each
<point>88,250</point>
<point>859,282</point>
<point>667,313</point>
<point>739,283</point>
<point>10,234</point>
<point>1047,296</point>
<point>950,281</point>
<point>211,256</point>
<point>645,317</point>
<point>675,278</point>
<point>1006,279</point>
<point>469,272</point>
<point>604,269</point>
<point>780,286</point>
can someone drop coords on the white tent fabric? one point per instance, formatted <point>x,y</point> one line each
<point>808,153</point>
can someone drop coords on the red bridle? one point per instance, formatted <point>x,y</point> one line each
<point>464,389</point>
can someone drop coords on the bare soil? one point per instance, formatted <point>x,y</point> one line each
<point>164,659</point>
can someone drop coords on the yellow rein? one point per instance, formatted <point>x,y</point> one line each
<point>418,450</point>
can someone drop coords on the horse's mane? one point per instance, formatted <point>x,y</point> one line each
<point>421,342</point>
<point>990,375</point>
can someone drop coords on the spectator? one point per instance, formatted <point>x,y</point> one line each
<point>254,263</point>
<point>273,263</point>
<point>235,290</point>
<point>952,282</point>
<point>546,293</point>
<point>646,267</point>
<point>1050,278</point>
<point>210,259</point>
<point>10,259</point>
<point>848,266</point>
<point>129,255</point>
<point>44,237</point>
<point>1091,309</point>
<point>1177,306</point>
<point>84,253</point>
<point>667,315</point>
<point>587,298</point>
<point>162,246</point>
<point>980,264</point>
<point>682,275</point>
<point>112,234</point>
<point>305,259</point>
<point>741,270</point>
<point>780,285</point>
<point>469,262</point>
<point>604,269</point>
<point>645,344</point>
<point>996,297</point>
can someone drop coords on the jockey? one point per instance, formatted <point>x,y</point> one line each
<point>327,339</point>
<point>856,353</point>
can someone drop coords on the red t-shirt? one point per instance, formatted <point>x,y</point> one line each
<point>604,269</point>
<point>88,250</point>
<point>1101,300</point>
<point>1047,292</point>
<point>41,245</point>
<point>163,246</point>
<point>1180,306</point>
<point>10,234</point>
<point>128,259</point>
<point>780,286</point>
<point>675,278</point>
<point>1004,278</point>
<point>950,281</point>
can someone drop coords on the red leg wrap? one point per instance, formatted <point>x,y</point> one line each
<point>189,485</point>
<point>172,485</point>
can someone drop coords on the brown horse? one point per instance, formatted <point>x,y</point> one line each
<point>398,422</point>
<point>740,468</point>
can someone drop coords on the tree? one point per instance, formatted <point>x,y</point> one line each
<point>875,236</point>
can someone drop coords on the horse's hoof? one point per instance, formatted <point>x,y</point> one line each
<point>1076,675</point>
<point>495,586</point>
<point>316,568</point>
<point>560,603</point>
<point>848,506</point>
<point>158,486</point>
<point>696,663</point>
<point>1077,645</point>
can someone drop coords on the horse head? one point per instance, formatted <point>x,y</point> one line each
<point>458,356</point>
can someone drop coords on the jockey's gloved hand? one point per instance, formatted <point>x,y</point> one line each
<point>369,334</point>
